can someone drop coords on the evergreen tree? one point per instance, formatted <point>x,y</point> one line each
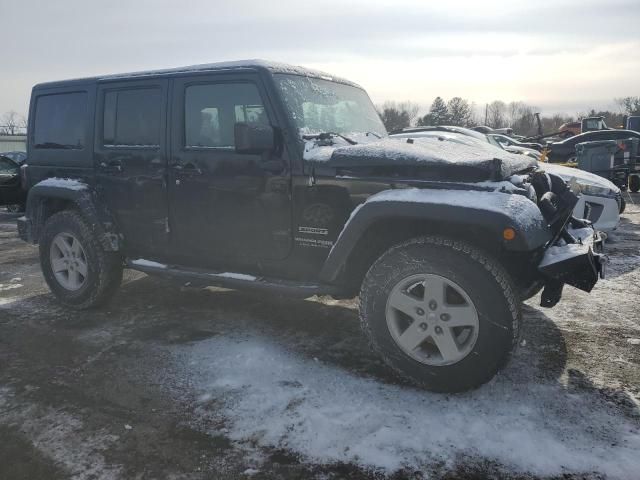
<point>438,114</point>
<point>460,112</point>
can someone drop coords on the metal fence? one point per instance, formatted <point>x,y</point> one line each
<point>12,130</point>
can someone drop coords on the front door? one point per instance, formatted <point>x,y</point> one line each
<point>130,160</point>
<point>226,208</point>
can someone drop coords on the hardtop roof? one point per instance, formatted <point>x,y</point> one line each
<point>239,65</point>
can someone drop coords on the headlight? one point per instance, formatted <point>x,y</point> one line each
<point>581,187</point>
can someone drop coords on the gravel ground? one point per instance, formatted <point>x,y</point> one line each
<point>171,382</point>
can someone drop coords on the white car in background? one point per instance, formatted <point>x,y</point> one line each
<point>599,200</point>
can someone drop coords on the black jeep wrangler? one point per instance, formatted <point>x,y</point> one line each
<point>271,177</point>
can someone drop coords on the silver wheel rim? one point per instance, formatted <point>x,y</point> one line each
<point>68,261</point>
<point>432,319</point>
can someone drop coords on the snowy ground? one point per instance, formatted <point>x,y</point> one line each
<point>185,383</point>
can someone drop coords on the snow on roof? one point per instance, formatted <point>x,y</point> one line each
<point>253,64</point>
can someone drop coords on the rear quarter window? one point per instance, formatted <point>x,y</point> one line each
<point>60,121</point>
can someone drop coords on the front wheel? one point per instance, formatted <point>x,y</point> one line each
<point>634,183</point>
<point>79,272</point>
<point>441,313</point>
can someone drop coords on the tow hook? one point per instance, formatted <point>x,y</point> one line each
<point>551,294</point>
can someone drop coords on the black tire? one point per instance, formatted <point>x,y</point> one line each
<point>484,280</point>
<point>634,183</point>
<point>623,204</point>
<point>104,268</point>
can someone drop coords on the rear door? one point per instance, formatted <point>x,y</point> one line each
<point>225,207</point>
<point>11,192</point>
<point>131,159</point>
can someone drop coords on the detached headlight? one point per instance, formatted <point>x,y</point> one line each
<point>581,187</point>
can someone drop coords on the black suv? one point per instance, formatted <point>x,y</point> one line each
<point>271,177</point>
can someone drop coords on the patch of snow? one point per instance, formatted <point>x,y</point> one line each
<point>141,262</point>
<point>273,398</point>
<point>561,253</point>
<point>237,276</point>
<point>7,300</point>
<point>633,341</point>
<point>251,472</point>
<point>9,286</point>
<point>128,427</point>
<point>315,153</point>
<point>68,183</point>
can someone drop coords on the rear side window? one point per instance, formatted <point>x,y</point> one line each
<point>211,111</point>
<point>132,118</point>
<point>60,121</point>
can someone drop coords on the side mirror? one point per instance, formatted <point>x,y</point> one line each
<point>253,138</point>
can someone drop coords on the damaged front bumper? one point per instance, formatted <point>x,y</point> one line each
<point>579,263</point>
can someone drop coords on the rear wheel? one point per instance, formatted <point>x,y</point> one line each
<point>634,183</point>
<point>441,313</point>
<point>75,266</point>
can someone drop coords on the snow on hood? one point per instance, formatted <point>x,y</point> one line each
<point>568,174</point>
<point>446,160</point>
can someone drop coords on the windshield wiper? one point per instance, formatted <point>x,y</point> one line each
<point>327,136</point>
<point>374,134</point>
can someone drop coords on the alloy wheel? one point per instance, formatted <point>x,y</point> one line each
<point>68,261</point>
<point>432,319</point>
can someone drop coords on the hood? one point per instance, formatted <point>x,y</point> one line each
<point>437,158</point>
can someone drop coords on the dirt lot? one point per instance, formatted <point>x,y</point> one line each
<point>171,382</point>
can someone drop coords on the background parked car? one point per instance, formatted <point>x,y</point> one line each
<point>565,151</point>
<point>12,195</point>
<point>506,141</point>
<point>18,157</point>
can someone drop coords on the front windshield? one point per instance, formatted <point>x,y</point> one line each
<point>318,106</point>
<point>502,140</point>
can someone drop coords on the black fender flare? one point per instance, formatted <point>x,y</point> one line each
<point>82,196</point>
<point>463,209</point>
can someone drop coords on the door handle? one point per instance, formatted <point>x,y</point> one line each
<point>112,166</point>
<point>188,168</point>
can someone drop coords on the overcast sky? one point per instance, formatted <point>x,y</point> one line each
<point>561,55</point>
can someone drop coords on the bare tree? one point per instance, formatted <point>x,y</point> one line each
<point>497,114</point>
<point>629,105</point>
<point>12,123</point>
<point>396,116</point>
<point>412,110</point>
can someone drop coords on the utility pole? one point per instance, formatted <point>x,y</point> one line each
<point>486,114</point>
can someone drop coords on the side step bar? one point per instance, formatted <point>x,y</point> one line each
<point>200,277</point>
